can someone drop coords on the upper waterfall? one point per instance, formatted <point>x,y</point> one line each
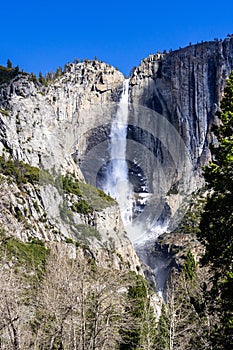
<point>117,182</point>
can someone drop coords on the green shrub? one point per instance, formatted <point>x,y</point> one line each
<point>69,240</point>
<point>21,172</point>
<point>96,198</point>
<point>81,207</point>
<point>105,196</point>
<point>190,266</point>
<point>78,244</point>
<point>31,173</point>
<point>35,205</point>
<point>30,255</point>
<point>92,197</point>
<point>70,186</point>
<point>7,74</point>
<point>33,78</point>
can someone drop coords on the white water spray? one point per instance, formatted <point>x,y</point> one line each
<point>117,181</point>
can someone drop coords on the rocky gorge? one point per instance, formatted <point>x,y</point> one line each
<point>54,146</point>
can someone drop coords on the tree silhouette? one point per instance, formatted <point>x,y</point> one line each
<point>9,63</point>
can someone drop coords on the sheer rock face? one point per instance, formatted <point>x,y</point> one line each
<point>45,125</point>
<point>178,92</point>
<point>185,86</point>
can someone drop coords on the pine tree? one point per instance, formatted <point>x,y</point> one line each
<point>9,64</point>
<point>162,334</point>
<point>142,332</point>
<point>58,72</point>
<point>217,221</point>
<point>41,79</point>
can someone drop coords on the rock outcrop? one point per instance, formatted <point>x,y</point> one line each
<point>45,126</point>
<point>185,86</point>
<point>174,99</point>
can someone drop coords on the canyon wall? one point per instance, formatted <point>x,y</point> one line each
<point>179,91</point>
<point>65,127</point>
<point>46,127</point>
<point>45,124</point>
<point>185,86</point>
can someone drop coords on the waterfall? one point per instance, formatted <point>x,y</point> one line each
<point>117,183</point>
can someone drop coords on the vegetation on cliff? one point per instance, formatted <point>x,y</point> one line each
<point>59,295</point>
<point>19,171</point>
<point>198,313</point>
<point>217,223</point>
<point>56,296</point>
<point>7,73</point>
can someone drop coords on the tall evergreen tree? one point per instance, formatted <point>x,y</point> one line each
<point>217,222</point>
<point>9,63</point>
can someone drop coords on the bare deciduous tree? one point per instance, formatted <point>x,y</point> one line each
<point>81,306</point>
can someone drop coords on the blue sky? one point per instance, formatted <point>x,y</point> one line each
<point>41,35</point>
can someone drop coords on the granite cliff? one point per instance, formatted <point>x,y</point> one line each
<point>42,126</point>
<point>182,90</point>
<point>186,86</point>
<point>56,127</point>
